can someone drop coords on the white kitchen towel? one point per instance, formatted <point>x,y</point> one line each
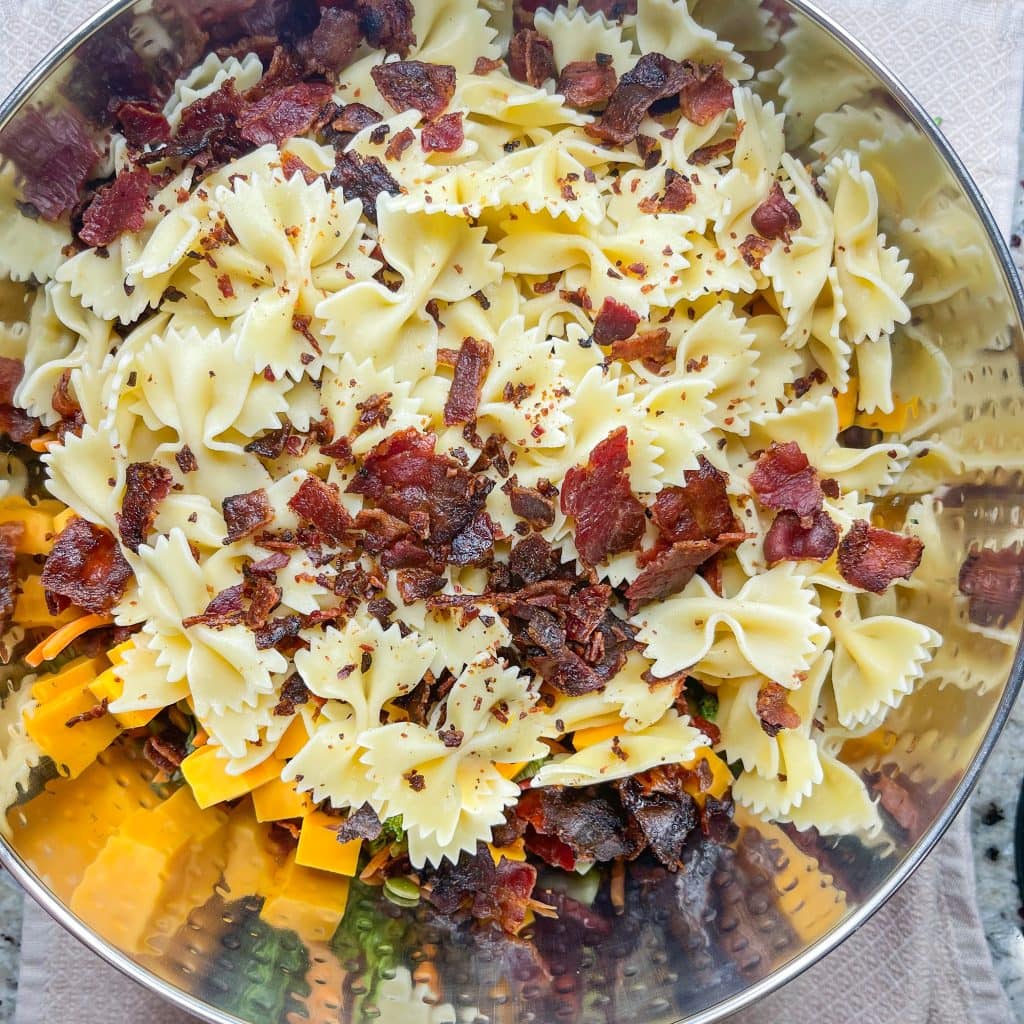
<point>923,958</point>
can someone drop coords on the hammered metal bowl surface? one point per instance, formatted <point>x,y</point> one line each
<point>741,920</point>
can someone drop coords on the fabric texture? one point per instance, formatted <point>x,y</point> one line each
<point>923,958</point>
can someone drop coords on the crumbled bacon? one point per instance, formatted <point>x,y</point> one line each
<point>263,597</point>
<point>96,711</point>
<point>277,631</point>
<point>896,799</point>
<point>585,611</point>
<point>208,129</point>
<point>776,217</point>
<point>387,24</point>
<point>650,347</point>
<point>163,753</point>
<point>16,424</point>
<point>285,69</point>
<point>408,84</point>
<point>485,65</point>
<point>993,581</point>
<point>320,504</point>
<point>705,94</point>
<point>530,504</point>
<point>363,178</point>
<point>609,519</point>
<point>708,154</point>
<point>292,165</point>
<point>244,514</point>
<point>116,208</point>
<point>86,568</point>
<point>186,460</point>
<point>294,693</point>
<point>793,539</point>
<point>753,249</point>
<point>655,77</point>
<point>679,194</point>
<point>142,124</point>
<point>531,58</point>
<point>698,511</point>
<point>586,84</point>
<point>53,153</point>
<point>333,43</point>
<point>784,479</point>
<point>615,322</point>
<point>871,558</point>
<point>283,113</point>
<point>416,584</point>
<point>590,822</point>
<point>361,823</point>
<point>399,143</point>
<point>445,135</point>
<point>8,579</point>
<point>533,559</point>
<point>471,368</point>
<point>669,571</point>
<point>146,485</point>
<point>774,710</point>
<point>352,118</point>
<point>661,810</point>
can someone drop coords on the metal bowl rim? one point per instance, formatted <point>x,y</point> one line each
<point>13,863</point>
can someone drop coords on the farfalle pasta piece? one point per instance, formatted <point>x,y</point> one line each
<point>207,77</point>
<point>454,32</point>
<point>666,26</point>
<point>30,247</point>
<point>576,35</point>
<point>771,626</point>
<point>79,473</point>
<point>641,701</point>
<point>145,684</point>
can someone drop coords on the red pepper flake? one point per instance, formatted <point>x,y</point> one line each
<point>116,208</point>
<point>445,135</point>
<point>86,568</point>
<point>531,58</point>
<point>146,485</point>
<point>225,287</point>
<point>244,514</point>
<point>774,710</point>
<point>784,479</point>
<point>586,84</point>
<point>776,217</point>
<point>408,84</point>
<point>474,360</point>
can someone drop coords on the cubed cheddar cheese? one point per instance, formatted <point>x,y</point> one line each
<point>73,676</point>
<point>307,901</point>
<point>509,770</point>
<point>62,520</point>
<point>319,847</point>
<point>583,738</point>
<point>846,404</point>
<point>294,739</point>
<point>890,422</point>
<point>72,748</point>
<point>278,799</point>
<point>109,685</point>
<point>211,784</point>
<point>514,851</point>
<point>36,521</point>
<point>721,777</point>
<point>30,608</point>
<point>117,654</point>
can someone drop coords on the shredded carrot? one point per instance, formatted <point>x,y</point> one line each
<point>61,638</point>
<point>44,442</point>
<point>377,861</point>
<point>617,889</point>
<point>200,739</point>
<point>541,909</point>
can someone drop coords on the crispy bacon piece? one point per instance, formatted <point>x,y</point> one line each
<point>406,84</point>
<point>444,135</point>
<point>774,710</point>
<point>353,118</point>
<point>679,194</point>
<point>474,543</point>
<point>399,143</point>
<point>361,823</point>
<point>530,503</point>
<point>292,165</point>
<point>116,208</point>
<point>225,609</point>
<point>776,217</point>
<point>146,485</point>
<point>661,810</point>
<point>244,514</point>
<point>320,504</point>
<point>264,597</point>
<point>585,611</point>
<point>784,479</point>
<point>387,24</point>
<point>707,154</point>
<point>705,94</point>
<point>590,822</point>
<point>142,124</point>
<point>650,347</point>
<point>283,113</point>
<point>993,581</point>
<point>698,511</point>
<point>8,579</point>
<point>615,322</point>
<point>609,518</point>
<point>485,65</point>
<point>163,753</point>
<point>467,383</point>
<point>533,559</point>
<point>363,178</point>
<point>285,69</point>
<point>789,539</point>
<point>753,249</point>
<point>186,460</point>
<point>416,584</point>
<point>669,571</point>
<point>333,43</point>
<point>586,84</point>
<point>655,77</point>
<point>871,558</point>
<point>294,693</point>
<point>208,129</point>
<point>14,422</point>
<point>84,568</point>
<point>531,58</point>
<point>53,153</point>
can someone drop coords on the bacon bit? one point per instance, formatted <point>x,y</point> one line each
<point>142,123</point>
<point>53,153</point>
<point>277,631</point>
<point>186,460</point>
<point>471,368</point>
<point>339,450</point>
<point>61,638</point>
<point>284,113</point>
<point>655,77</point>
<point>871,558</point>
<point>533,560</point>
<point>698,511</point>
<point>86,568</point>
<point>706,154</point>
<point>776,217</point>
<point>208,129</point>
<point>417,783</point>
<point>333,43</point>
<point>577,297</point>
<point>445,135</point>
<point>225,609</point>
<point>531,58</point>
<point>96,711</point>
<point>387,24</point>
<point>790,539</point>
<point>800,388</point>
<point>669,571</point>
<point>485,65</point>
<point>320,504</point>
<point>294,693</point>
<point>264,597</point>
<point>116,208</point>
<point>498,893</point>
<point>784,479</point>
<point>163,754</point>
<point>586,84</point>
<point>706,94</point>
<point>615,322</point>
<point>224,285</point>
<point>363,178</point>
<point>609,519</point>
<point>530,504</point>
<point>774,710</point>
<point>361,823</point>
<point>399,144</point>
<point>8,578</point>
<point>292,164</point>
<point>679,195</point>
<point>354,117</point>
<point>20,427</point>
<point>417,584</point>
<point>374,411</point>
<point>146,485</point>
<point>649,346</point>
<point>753,249</point>
<point>994,583</point>
<point>244,514</point>
<point>408,84</point>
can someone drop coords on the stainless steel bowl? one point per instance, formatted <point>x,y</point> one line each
<point>743,921</point>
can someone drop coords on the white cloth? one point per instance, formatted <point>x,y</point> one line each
<point>923,958</point>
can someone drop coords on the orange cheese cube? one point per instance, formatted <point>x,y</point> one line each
<point>510,770</point>
<point>721,777</point>
<point>307,901</point>
<point>319,847</point>
<point>514,851</point>
<point>71,747</point>
<point>294,739</point>
<point>36,521</point>
<point>109,685</point>
<point>583,738</point>
<point>252,857</point>
<point>278,799</point>
<point>117,654</point>
<point>846,404</point>
<point>30,608</point>
<point>73,676</point>
<point>211,784</point>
